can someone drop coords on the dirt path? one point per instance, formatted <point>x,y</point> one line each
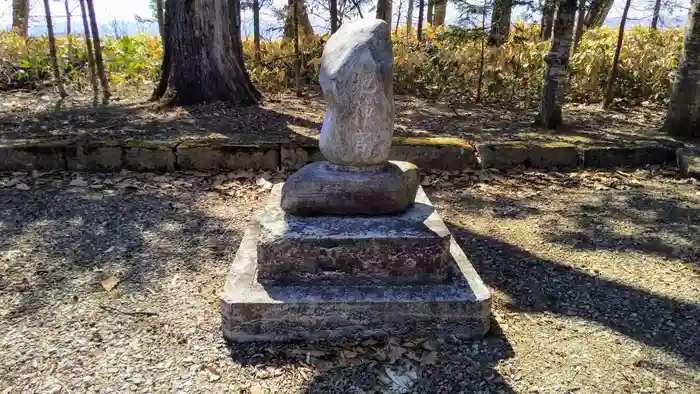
<point>595,278</point>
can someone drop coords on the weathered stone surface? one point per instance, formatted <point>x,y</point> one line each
<point>412,247</point>
<point>688,161</point>
<point>436,153</point>
<point>356,78</point>
<point>198,157</point>
<point>45,156</point>
<point>295,157</point>
<point>326,189</point>
<point>149,156</point>
<point>536,155</point>
<point>632,156</point>
<point>216,157</point>
<point>99,156</point>
<point>252,311</point>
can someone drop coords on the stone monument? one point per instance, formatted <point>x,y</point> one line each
<point>352,247</point>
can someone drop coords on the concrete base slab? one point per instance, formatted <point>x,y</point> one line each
<point>252,311</point>
<point>688,162</point>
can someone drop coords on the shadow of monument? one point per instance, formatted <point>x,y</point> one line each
<point>536,285</point>
<point>417,355</point>
<point>343,367</point>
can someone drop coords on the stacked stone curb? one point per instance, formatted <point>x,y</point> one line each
<point>220,155</point>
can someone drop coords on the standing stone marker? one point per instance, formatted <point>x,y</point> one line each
<point>352,247</point>
<point>356,78</point>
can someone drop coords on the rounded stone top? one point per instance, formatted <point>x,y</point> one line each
<point>373,34</point>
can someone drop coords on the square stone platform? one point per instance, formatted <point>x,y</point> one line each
<point>333,278</point>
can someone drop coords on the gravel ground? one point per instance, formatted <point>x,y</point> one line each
<point>108,283</point>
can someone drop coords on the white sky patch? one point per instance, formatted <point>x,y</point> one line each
<point>125,10</point>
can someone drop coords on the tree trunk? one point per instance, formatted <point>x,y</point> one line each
<point>597,12</point>
<point>68,16</point>
<point>161,18</point>
<point>334,16</point>
<point>302,15</point>
<point>480,81</point>
<point>440,12</point>
<point>409,18</point>
<point>547,19</point>
<point>20,17</point>
<point>98,52</point>
<point>91,60</point>
<point>256,29</point>
<point>578,27</point>
<point>235,21</point>
<point>557,66</point>
<point>297,55</point>
<point>398,17</point>
<point>419,28</point>
<point>431,5</point>
<point>612,76</point>
<point>500,22</point>
<point>655,17</point>
<point>683,116</point>
<point>384,11</point>
<point>202,59</point>
<point>52,51</point>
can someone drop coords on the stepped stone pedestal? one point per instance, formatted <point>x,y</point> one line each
<point>326,277</point>
<point>352,248</point>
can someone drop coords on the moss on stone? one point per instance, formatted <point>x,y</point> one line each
<point>507,145</point>
<point>195,144</point>
<point>152,145</point>
<point>39,148</point>
<point>432,141</point>
<point>556,145</point>
<point>104,143</point>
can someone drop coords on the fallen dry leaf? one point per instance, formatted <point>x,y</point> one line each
<point>263,183</point>
<point>78,182</point>
<point>349,354</point>
<point>395,352</point>
<point>429,358</point>
<point>399,379</point>
<point>411,355</point>
<point>110,283</point>
<point>257,389</point>
<point>322,365</point>
<point>13,182</point>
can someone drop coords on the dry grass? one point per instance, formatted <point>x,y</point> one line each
<point>595,278</point>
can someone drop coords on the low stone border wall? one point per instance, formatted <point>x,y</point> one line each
<point>217,155</point>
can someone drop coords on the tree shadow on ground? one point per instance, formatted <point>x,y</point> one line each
<point>365,367</point>
<point>59,243</point>
<point>498,121</point>
<point>284,118</point>
<point>664,226</point>
<point>536,285</point>
<point>149,121</point>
